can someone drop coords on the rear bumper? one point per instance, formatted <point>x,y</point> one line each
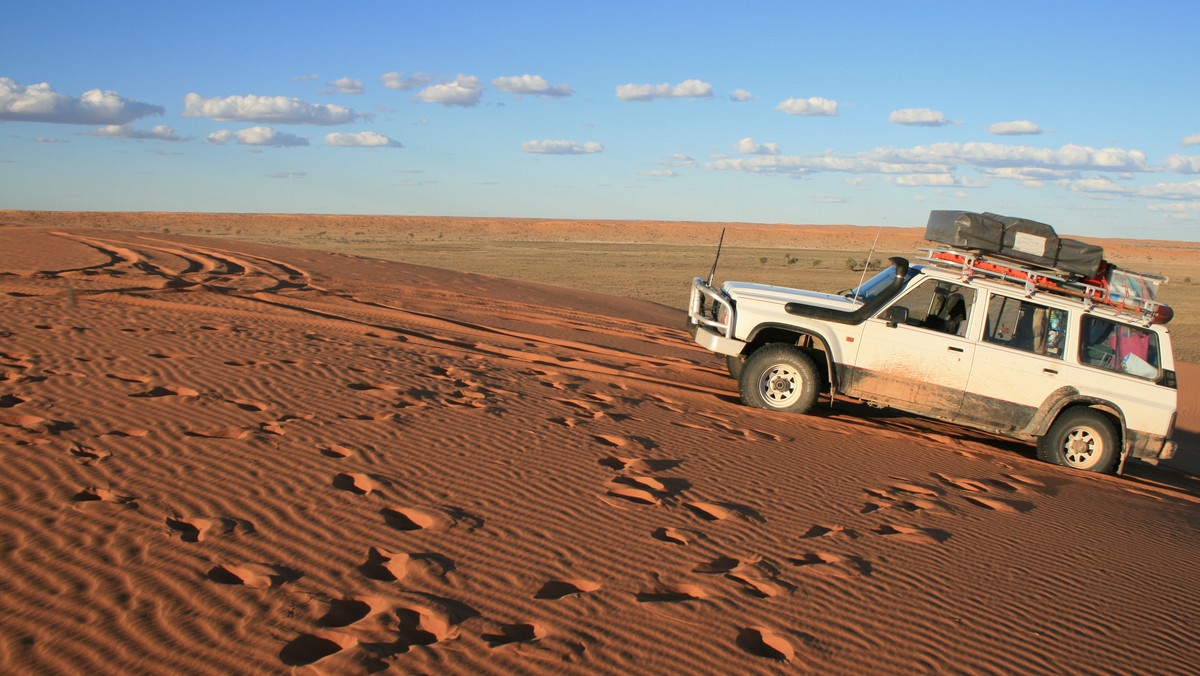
<point>1150,446</point>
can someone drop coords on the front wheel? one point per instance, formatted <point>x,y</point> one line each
<point>735,362</point>
<point>780,377</point>
<point>1081,438</point>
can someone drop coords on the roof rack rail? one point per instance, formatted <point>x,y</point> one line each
<point>1126,291</point>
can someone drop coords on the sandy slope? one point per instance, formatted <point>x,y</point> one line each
<point>233,458</point>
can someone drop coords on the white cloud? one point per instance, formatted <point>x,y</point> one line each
<point>257,136</point>
<point>531,85</point>
<point>400,81</point>
<point>1172,191</point>
<point>343,85</point>
<point>49,139</point>
<point>999,161</point>
<point>679,160</point>
<point>287,174</point>
<point>1015,128</point>
<point>1183,164</point>
<point>305,78</point>
<point>464,91</point>
<point>740,95</point>
<point>747,146</point>
<point>549,147</point>
<point>920,117</point>
<point>923,180</point>
<point>814,107</point>
<point>1193,140</point>
<point>124,131</point>
<point>658,173</point>
<point>362,139</point>
<point>40,103</point>
<point>647,92</point>
<point>1098,184</point>
<point>266,109</point>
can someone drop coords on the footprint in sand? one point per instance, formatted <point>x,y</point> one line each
<point>94,494</point>
<point>247,405</point>
<point>677,536</point>
<point>829,564</point>
<point>508,634</point>
<point>712,511</point>
<point>360,484</point>
<point>671,593</point>
<point>253,575</point>
<point>387,566</point>
<point>421,518</point>
<point>636,495</point>
<point>755,576</point>
<point>962,484</point>
<point>167,391</point>
<point>335,450</point>
<point>557,589</point>
<point>309,649</point>
<point>912,534</point>
<point>830,531</point>
<point>996,504</point>
<point>611,440</point>
<point>426,619</point>
<point>88,455</point>
<point>129,377</point>
<point>764,642</point>
<point>638,465</point>
<point>759,579</point>
<point>347,611</point>
<point>31,423</point>
<point>220,433</point>
<point>195,529</point>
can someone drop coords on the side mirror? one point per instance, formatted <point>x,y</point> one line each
<point>895,316</point>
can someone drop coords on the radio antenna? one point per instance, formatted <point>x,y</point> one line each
<point>713,272</point>
<point>870,253</point>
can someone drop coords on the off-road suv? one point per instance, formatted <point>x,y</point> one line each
<point>1004,335</point>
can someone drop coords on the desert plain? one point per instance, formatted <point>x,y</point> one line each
<point>322,444</point>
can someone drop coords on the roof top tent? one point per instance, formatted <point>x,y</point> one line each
<point>1032,253</point>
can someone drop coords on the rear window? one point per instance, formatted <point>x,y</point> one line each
<point>1119,347</point>
<point>1026,326</point>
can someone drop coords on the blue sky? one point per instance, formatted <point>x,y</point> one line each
<point>1084,115</point>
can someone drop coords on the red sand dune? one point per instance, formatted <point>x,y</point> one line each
<point>234,458</point>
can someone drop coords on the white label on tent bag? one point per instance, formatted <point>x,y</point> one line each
<point>1029,244</point>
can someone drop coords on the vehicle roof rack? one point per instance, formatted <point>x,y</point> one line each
<point>1125,291</point>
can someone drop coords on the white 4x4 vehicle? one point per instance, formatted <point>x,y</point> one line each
<point>1008,329</point>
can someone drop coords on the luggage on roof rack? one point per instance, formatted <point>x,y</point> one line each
<point>1019,238</point>
<point>1123,290</point>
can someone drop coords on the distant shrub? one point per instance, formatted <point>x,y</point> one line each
<point>816,262</point>
<point>763,260</point>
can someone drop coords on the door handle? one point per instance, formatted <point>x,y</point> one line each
<point>1050,371</point>
<point>954,349</point>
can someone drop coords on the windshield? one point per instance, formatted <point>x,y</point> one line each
<point>879,282</point>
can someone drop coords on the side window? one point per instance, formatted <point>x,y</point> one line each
<point>1118,347</point>
<point>938,306</point>
<point>1022,325</point>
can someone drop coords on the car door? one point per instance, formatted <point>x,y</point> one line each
<point>915,354</point>
<point>1019,362</point>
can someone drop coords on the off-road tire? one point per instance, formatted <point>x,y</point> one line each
<point>735,363</point>
<point>1083,439</point>
<point>780,377</point>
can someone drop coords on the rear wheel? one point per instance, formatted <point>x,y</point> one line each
<point>1082,438</point>
<point>779,377</point>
